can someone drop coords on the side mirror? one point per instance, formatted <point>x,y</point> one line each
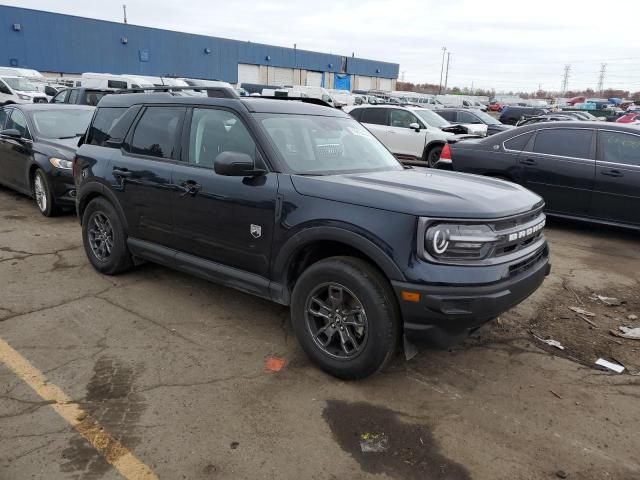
<point>11,133</point>
<point>49,90</point>
<point>236,164</point>
<point>415,126</point>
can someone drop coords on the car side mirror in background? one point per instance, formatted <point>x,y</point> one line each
<point>236,164</point>
<point>11,133</point>
<point>415,126</point>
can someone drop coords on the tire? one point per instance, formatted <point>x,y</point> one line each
<point>432,155</point>
<point>42,195</point>
<point>104,238</point>
<point>367,295</point>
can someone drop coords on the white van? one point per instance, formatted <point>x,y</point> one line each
<point>311,92</point>
<point>108,80</point>
<point>15,89</point>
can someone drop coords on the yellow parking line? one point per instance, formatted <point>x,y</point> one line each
<point>111,449</point>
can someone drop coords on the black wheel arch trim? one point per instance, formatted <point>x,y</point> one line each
<point>92,189</point>
<point>280,268</point>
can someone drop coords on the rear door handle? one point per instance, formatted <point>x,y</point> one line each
<point>121,172</point>
<point>612,173</point>
<point>528,161</point>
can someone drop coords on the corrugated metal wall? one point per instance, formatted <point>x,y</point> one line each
<point>62,43</point>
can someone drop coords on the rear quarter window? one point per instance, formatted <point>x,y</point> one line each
<point>518,143</point>
<point>103,126</point>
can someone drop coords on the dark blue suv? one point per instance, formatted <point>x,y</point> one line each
<point>298,203</point>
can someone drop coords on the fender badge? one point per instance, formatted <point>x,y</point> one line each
<point>256,231</point>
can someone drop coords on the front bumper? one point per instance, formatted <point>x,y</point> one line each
<point>451,312</point>
<point>63,187</point>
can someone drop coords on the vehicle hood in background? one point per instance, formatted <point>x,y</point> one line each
<point>422,192</point>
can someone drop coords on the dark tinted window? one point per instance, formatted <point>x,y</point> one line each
<point>156,133</point>
<point>116,84</point>
<point>466,117</point>
<point>92,98</point>
<point>402,118</point>
<point>60,97</point>
<point>73,96</point>
<point>518,143</point>
<point>101,129</point>
<point>447,115</point>
<point>564,141</point>
<point>17,121</point>
<point>619,147</point>
<point>216,131</point>
<point>356,113</point>
<point>3,117</point>
<point>377,116</point>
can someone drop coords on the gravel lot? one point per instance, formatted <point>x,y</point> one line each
<point>174,369</point>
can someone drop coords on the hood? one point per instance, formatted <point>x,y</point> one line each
<point>64,147</point>
<point>422,192</point>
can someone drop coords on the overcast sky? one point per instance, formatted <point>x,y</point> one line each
<point>507,45</point>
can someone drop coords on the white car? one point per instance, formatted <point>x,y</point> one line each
<point>413,134</point>
<point>19,90</point>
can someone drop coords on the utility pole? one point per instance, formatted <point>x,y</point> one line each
<point>471,87</point>
<point>565,78</point>
<point>446,77</point>
<point>603,71</point>
<point>402,77</point>
<point>444,49</point>
<point>124,9</point>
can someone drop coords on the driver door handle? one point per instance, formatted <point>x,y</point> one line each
<point>614,172</point>
<point>190,187</point>
<point>528,161</point>
<point>121,172</point>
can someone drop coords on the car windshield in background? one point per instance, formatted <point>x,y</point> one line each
<point>486,118</point>
<point>20,84</point>
<point>58,124</point>
<point>316,145</point>
<point>432,119</point>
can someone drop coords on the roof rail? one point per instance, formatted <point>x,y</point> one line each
<point>315,101</point>
<point>214,92</point>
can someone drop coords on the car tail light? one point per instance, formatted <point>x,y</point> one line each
<point>446,153</point>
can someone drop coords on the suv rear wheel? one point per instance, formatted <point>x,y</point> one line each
<point>345,317</point>
<point>104,238</point>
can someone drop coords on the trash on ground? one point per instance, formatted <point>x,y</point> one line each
<point>274,364</point>
<point>593,324</point>
<point>610,365</point>
<point>632,317</point>
<point>626,332</point>
<point>374,442</point>
<point>561,474</point>
<point>556,394</point>
<point>551,342</point>
<point>611,301</point>
<point>582,311</point>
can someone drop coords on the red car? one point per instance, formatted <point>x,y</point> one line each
<point>629,117</point>
<point>495,107</point>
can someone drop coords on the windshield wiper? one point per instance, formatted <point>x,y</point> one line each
<point>72,136</point>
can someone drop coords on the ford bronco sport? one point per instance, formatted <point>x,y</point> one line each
<point>298,203</point>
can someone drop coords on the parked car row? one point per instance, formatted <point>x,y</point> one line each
<point>291,201</point>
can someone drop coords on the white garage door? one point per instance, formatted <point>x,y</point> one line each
<point>385,84</point>
<point>364,83</point>
<point>248,73</point>
<point>314,79</point>
<point>280,76</point>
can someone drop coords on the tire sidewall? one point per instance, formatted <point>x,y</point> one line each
<point>381,318</point>
<point>50,210</point>
<point>430,153</point>
<point>120,258</point>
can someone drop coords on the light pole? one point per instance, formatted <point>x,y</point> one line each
<point>444,50</point>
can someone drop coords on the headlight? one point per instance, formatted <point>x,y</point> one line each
<point>61,163</point>
<point>24,97</point>
<point>459,242</point>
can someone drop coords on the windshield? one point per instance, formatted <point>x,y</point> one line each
<point>67,123</point>
<point>20,84</point>
<point>486,118</point>
<point>432,119</point>
<point>316,145</point>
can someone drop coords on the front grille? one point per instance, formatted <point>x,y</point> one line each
<point>527,264</point>
<point>519,227</point>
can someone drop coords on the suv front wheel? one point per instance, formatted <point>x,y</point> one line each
<point>345,317</point>
<point>104,238</point>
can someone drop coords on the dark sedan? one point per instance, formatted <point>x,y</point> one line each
<point>37,146</point>
<point>585,170</point>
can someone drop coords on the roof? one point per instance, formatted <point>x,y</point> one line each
<point>252,104</point>
<point>39,107</point>
<point>620,127</point>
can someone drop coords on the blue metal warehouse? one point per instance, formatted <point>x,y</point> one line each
<point>55,43</point>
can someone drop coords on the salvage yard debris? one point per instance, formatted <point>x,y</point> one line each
<point>374,443</point>
<point>631,333</point>
<point>274,364</point>
<point>581,311</point>
<point>551,342</point>
<point>611,301</point>
<point>610,365</point>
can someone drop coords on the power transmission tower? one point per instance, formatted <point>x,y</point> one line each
<point>565,78</point>
<point>446,77</point>
<point>603,71</point>
<point>444,50</point>
<point>402,77</point>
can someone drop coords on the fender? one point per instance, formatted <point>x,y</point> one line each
<point>308,236</point>
<point>93,187</point>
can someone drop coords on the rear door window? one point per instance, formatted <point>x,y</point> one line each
<point>565,142</point>
<point>376,116</point>
<point>466,117</point>
<point>73,96</point>
<point>518,143</point>
<point>618,147</point>
<point>158,131</point>
<point>448,115</point>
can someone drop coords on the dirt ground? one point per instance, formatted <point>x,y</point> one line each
<point>172,368</point>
